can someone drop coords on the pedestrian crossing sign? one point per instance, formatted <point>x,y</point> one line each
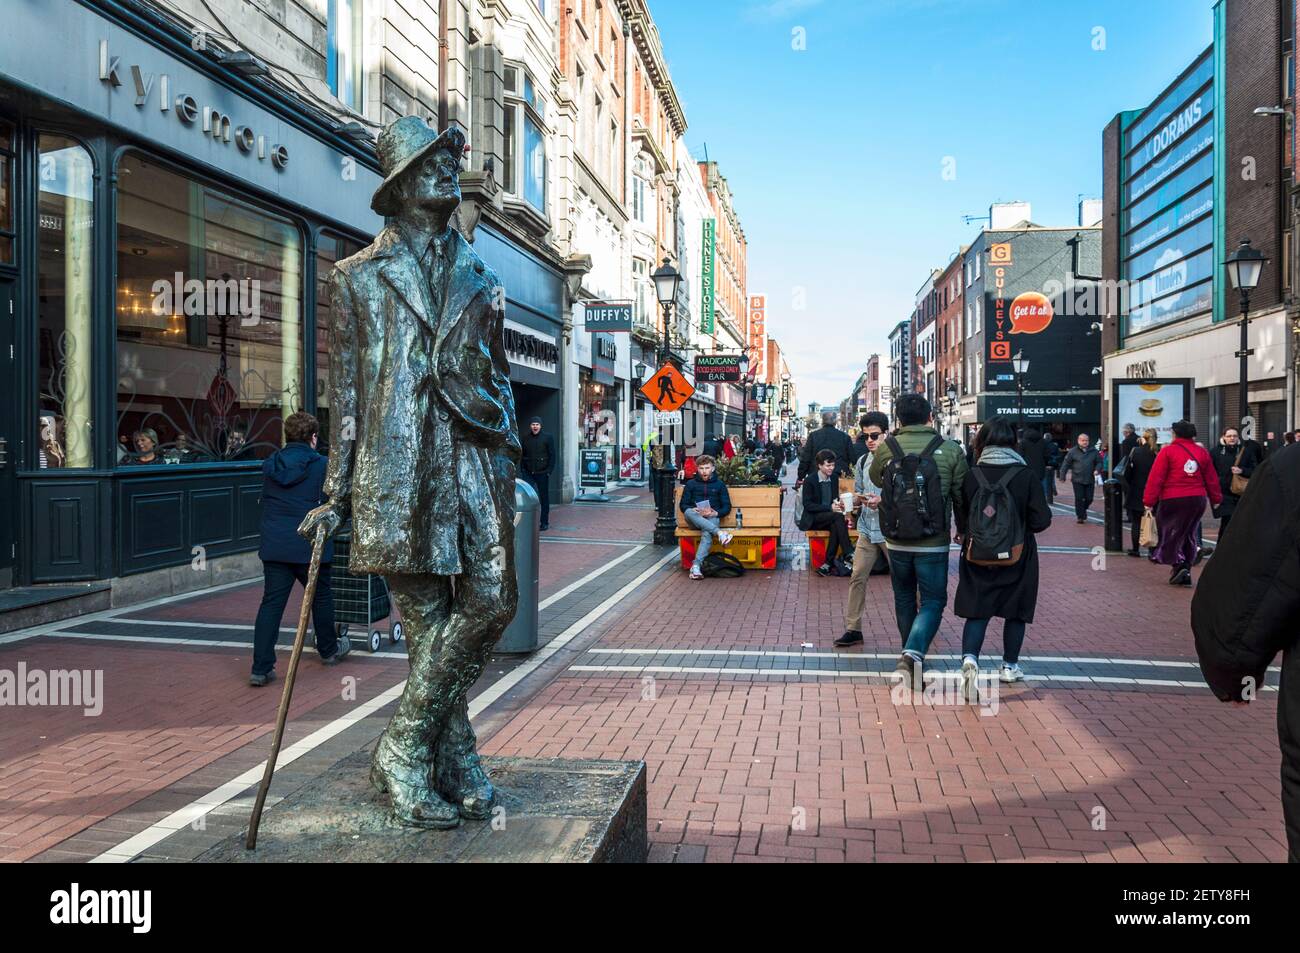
<point>667,390</point>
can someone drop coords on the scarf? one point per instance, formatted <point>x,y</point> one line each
<point>1000,457</point>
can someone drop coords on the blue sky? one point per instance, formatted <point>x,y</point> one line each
<point>835,153</point>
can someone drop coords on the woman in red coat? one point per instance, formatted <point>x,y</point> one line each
<point>1181,480</point>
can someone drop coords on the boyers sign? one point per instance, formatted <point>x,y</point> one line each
<point>717,368</point>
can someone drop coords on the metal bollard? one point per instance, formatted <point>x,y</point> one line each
<point>521,634</point>
<point>1113,504</point>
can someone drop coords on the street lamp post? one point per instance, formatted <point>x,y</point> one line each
<point>666,279</point>
<point>952,408</point>
<point>1244,268</point>
<point>1021,367</point>
<point>744,398</point>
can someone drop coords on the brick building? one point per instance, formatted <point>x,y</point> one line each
<point>949,353</point>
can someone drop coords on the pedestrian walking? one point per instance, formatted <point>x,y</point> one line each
<point>1125,446</point>
<point>293,479</point>
<point>1033,449</point>
<point>1181,480</point>
<point>871,541</point>
<point>921,478</point>
<point>538,462</point>
<point>827,437</point>
<point>1234,463</point>
<point>1245,609</point>
<point>1082,463</point>
<point>997,572</point>
<point>1136,473</point>
<point>823,510</point>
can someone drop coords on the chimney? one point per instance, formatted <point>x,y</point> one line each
<point>1003,215</point>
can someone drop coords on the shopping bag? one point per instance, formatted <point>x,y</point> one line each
<point>1149,534</point>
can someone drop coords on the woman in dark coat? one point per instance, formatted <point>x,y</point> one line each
<point>1140,461</point>
<point>1231,458</point>
<point>1008,592</point>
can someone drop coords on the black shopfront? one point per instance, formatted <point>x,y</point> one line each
<point>166,229</point>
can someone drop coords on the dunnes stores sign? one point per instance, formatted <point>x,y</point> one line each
<point>707,256</point>
<point>529,349</point>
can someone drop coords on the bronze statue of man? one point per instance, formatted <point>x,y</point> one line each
<point>423,450</point>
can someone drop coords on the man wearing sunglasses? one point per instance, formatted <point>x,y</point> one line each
<point>871,541</point>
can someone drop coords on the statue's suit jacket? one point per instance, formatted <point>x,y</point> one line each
<point>423,439</point>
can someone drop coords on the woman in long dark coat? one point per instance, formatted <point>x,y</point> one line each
<point>1007,592</point>
<point>1140,461</point>
<point>1231,458</point>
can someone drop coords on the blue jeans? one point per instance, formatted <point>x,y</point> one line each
<point>927,572</point>
<point>280,578</point>
<point>1013,637</point>
<point>708,529</point>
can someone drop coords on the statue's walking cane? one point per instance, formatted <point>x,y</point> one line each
<point>318,547</point>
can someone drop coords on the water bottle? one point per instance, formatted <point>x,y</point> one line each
<point>740,519</point>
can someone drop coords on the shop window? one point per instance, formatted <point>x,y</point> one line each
<point>65,262</point>
<point>209,321</point>
<point>344,64</point>
<point>7,159</point>
<point>330,249</point>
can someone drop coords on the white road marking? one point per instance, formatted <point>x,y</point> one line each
<point>773,653</point>
<point>552,599</point>
<point>49,627</point>
<point>155,833</point>
<point>888,676</point>
<point>204,643</point>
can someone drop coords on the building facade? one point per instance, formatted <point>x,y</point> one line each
<point>1185,180</point>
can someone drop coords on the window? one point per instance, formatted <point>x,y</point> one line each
<point>65,264</point>
<point>642,309</point>
<point>209,321</point>
<point>330,250</point>
<point>344,63</point>
<point>641,191</point>
<point>525,111</point>
<point>7,159</point>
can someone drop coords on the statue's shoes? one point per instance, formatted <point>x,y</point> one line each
<point>469,789</point>
<point>414,806</point>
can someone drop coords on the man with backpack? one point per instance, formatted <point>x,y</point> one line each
<point>920,476</point>
<point>704,503</point>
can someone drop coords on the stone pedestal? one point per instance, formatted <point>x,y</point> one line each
<point>548,810</point>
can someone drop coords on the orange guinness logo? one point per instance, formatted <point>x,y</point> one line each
<point>1031,313</point>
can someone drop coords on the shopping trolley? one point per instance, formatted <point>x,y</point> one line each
<point>361,599</point>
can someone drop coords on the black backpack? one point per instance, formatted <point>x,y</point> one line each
<point>911,494</point>
<point>722,566</point>
<point>995,532</point>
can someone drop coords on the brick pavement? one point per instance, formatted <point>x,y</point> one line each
<point>747,767</point>
<point>744,766</point>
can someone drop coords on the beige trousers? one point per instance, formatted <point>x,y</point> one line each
<point>864,557</point>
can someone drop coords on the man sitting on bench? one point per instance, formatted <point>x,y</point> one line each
<point>822,510</point>
<point>704,504</point>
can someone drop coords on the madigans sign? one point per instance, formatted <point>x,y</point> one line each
<point>214,123</point>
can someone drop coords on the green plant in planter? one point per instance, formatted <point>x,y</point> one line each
<point>738,472</point>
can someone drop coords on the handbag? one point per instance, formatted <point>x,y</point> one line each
<point>1149,535</point>
<point>1239,482</point>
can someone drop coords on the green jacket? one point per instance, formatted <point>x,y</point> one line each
<point>951,462</point>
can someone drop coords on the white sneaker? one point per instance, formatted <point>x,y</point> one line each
<point>695,573</point>
<point>970,670</point>
<point>1012,673</point>
<point>724,537</point>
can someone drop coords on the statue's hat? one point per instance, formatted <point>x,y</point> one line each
<point>403,142</point>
